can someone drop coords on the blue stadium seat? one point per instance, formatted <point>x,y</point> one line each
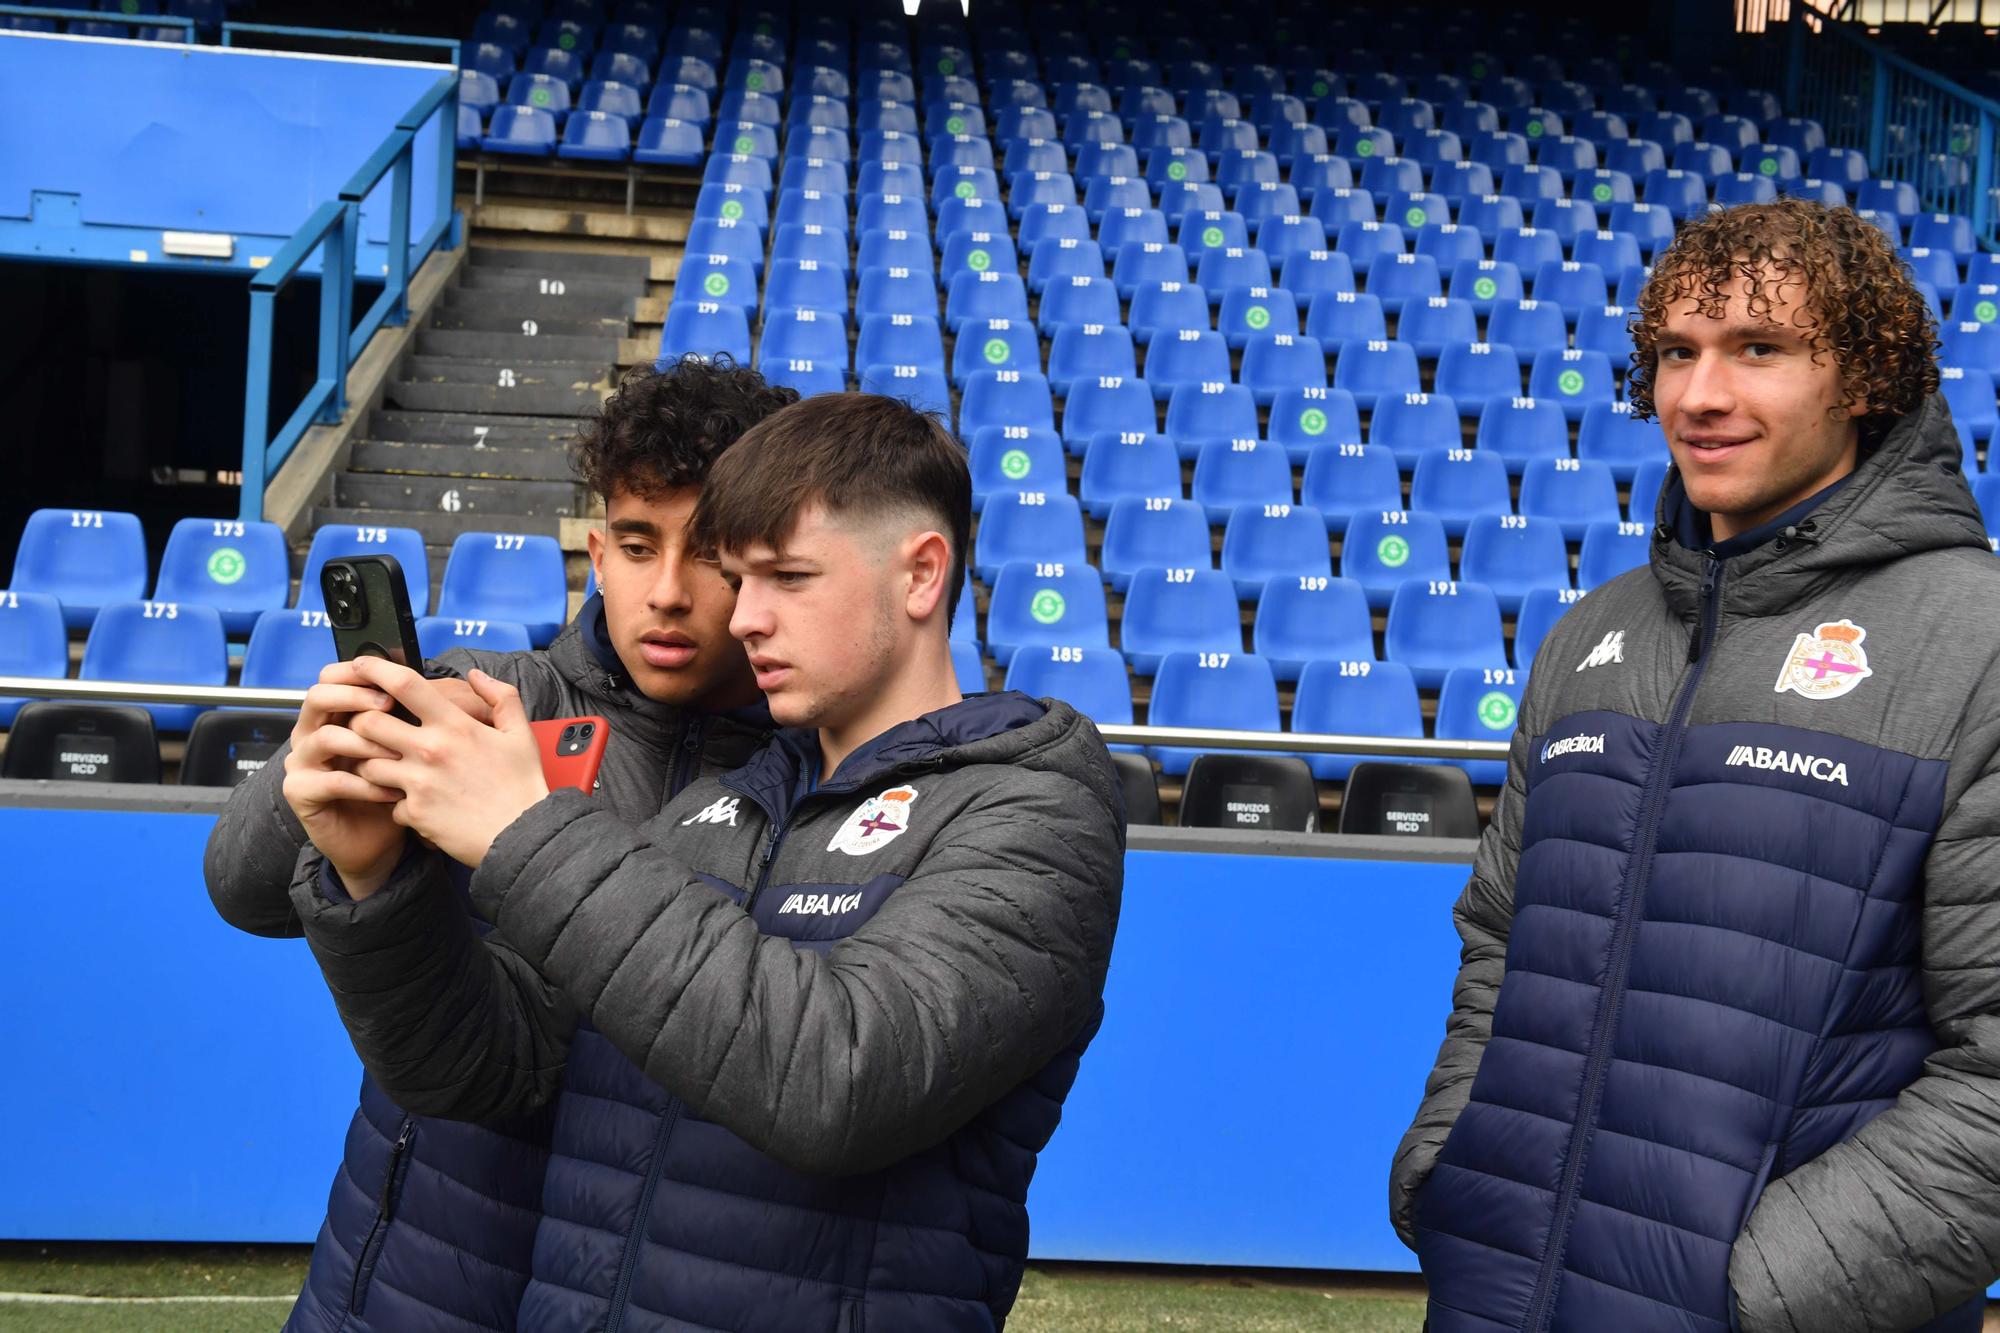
<point>995,344</point>
<point>1650,224</point>
<point>1741,187</point>
<point>802,334</point>
<point>1015,458</point>
<point>1340,318</point>
<point>1486,284</point>
<point>1276,362</point>
<point>813,206</point>
<point>1054,262</point>
<point>1608,185</point>
<point>1005,398</point>
<point>985,296</point>
<point>1531,184</point>
<point>1178,609</point>
<point>1044,603</point>
<point>1527,248</point>
<point>1570,285</point>
<point>1283,237</point>
<point>1896,198</point>
<point>1523,429</point>
<point>1266,543</point>
<point>718,278</point>
<point>730,238</point>
<point>1078,300</point>
<point>1432,325</point>
<point>1080,351</point>
<point>1463,182</point>
<point>167,643</point>
<point>1611,435</point>
<point>1565,219</point>
<point>338,541</point>
<point>1539,612</point>
<point>1248,312</point>
<point>596,136</point>
<point>1493,215</point>
<point>1460,485</point>
<point>706,329</point>
<point>1132,228</point>
<point>1340,206</point>
<point>1028,525</point>
<point>1398,279</point>
<point>965,613</point>
<point>968,667</point>
<point>1355,697</point>
<point>1386,547</point>
<point>821,243</point>
<point>1230,690</point>
<point>1480,704</point>
<point>1610,549</point>
<point>1387,176</point>
<point>33,642</point>
<point>923,387</point>
<point>895,291</point>
<point>882,207</point>
<point>810,378</point>
<point>1971,345</point>
<point>1342,480</point>
<point>1376,372</point>
<point>1530,327</point>
<point>1437,625</point>
<point>682,102</point>
<point>1411,425</point>
<point>1570,491</point>
<point>1187,356</point>
<point>1117,465</point>
<point>1182,199</point>
<point>892,247</point>
<point>1632,160</point>
<point>1573,379</point>
<point>1950,232</point>
<point>471,128</point>
<point>909,340</point>
<point>1222,268</point>
<point>1153,532</point>
<point>1168,307</point>
<point>1970,396</point>
<point>806,284</point>
<point>287,650</point>
<point>1091,680</point>
<point>1684,194</point>
<point>242,569</point>
<point>1311,273</point>
<point>1607,329</point>
<point>83,558</point>
<point>1238,471</point>
<point>506,576</point>
<point>1097,161</point>
<point>1115,403</point>
<point>1106,195</point>
<point>1644,500</point>
<point>1306,419</point>
<point>1311,618</point>
<point>441,634</point>
<point>521,131</point>
<point>1513,555</point>
<point>1476,375</point>
<point>1365,242</point>
<point>1846,167</point>
<point>1044,223</point>
<point>1937,267</point>
<point>1029,188</point>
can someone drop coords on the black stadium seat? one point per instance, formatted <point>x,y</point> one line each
<point>1266,792</point>
<point>1423,800</point>
<point>1142,790</point>
<point>82,743</point>
<point>225,747</point>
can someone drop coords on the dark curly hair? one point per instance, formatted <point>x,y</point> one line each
<point>663,429</point>
<point>1859,304</point>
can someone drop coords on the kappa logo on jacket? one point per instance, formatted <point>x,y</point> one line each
<point>879,822</point>
<point>1826,663</point>
<point>722,810</point>
<point>1609,649</point>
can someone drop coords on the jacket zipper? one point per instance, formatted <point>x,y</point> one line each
<point>635,1238</point>
<point>385,1210</point>
<point>688,761</point>
<point>1541,1308</point>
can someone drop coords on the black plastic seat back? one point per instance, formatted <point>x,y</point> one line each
<point>224,747</point>
<point>1266,792</point>
<point>1142,789</point>
<point>1421,800</point>
<point>82,743</point>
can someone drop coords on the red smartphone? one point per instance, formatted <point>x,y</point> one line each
<point>572,748</point>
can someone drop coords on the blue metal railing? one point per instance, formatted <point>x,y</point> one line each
<point>1910,123</point>
<point>334,231</point>
<point>185,26</point>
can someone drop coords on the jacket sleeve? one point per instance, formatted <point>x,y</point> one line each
<point>252,853</point>
<point>449,1023</point>
<point>1483,916</point>
<point>981,968</point>
<point>1902,1222</point>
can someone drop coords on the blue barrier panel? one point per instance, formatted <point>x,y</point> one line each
<point>110,142</point>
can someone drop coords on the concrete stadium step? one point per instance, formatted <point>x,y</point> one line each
<point>529,373</point>
<point>446,317</point>
<point>441,529</point>
<point>489,400</point>
<point>497,499</point>
<point>543,463</point>
<point>629,268</point>
<point>506,348</point>
<point>520,305</point>
<point>586,290</point>
<point>500,432</point>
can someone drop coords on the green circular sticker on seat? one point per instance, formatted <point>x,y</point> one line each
<point>1479,70</point>
<point>1211,237</point>
<point>763,29</point>
<point>1536,129</point>
<point>1312,421</point>
<point>1048,606</point>
<point>732,209</point>
<point>745,144</point>
<point>1366,148</point>
<point>1320,88</point>
<point>1484,288</point>
<point>1257,317</point>
<point>979,261</point>
<point>1570,382</point>
<point>1014,464</point>
<point>1176,171</point>
<point>1601,192</point>
<point>1121,52</point>
<point>1960,144</point>
<point>1416,217</point>
<point>954,125</point>
<point>567,41</point>
<point>1769,166</point>
<point>965,189</point>
<point>225,565</point>
<point>716,284</point>
<point>996,351</point>
<point>129,7</point>
<point>1393,552</point>
<point>1496,711</point>
<point>755,83</point>
<point>1985,312</point>
<point>538,97</point>
<point>946,65</point>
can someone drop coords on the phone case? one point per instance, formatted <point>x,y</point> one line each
<point>572,748</point>
<point>368,607</point>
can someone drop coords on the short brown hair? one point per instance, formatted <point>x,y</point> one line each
<point>856,453</point>
<point>1860,305</point>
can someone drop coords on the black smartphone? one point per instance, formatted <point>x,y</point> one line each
<point>368,608</point>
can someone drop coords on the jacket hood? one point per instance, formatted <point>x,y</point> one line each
<point>1908,495</point>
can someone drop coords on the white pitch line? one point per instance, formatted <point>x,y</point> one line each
<point>49,1298</point>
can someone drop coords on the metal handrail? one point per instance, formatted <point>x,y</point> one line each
<point>186,26</point>
<point>451,44</point>
<point>127,691</point>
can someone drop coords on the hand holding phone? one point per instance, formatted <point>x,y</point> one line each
<point>368,608</point>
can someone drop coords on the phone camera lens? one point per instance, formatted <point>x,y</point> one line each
<point>569,732</point>
<point>584,732</point>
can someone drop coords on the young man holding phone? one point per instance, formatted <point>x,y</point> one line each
<point>432,1223</point>
<point>832,1001</point>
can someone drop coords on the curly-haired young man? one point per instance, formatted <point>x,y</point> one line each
<point>433,1223</point>
<point>1724,1050</point>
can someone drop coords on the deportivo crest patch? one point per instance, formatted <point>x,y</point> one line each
<point>879,822</point>
<point>1826,663</point>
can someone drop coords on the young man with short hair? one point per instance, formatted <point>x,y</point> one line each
<point>431,1224</point>
<point>1725,1044</point>
<point>832,1001</point>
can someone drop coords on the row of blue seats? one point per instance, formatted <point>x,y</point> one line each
<point>87,559</point>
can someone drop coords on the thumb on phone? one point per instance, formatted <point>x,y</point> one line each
<point>502,698</point>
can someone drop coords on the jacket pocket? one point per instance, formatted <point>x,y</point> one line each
<point>385,1211</point>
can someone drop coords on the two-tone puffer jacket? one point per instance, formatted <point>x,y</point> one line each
<point>829,1027</point>
<point>1725,1044</point>
<point>431,1223</point>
